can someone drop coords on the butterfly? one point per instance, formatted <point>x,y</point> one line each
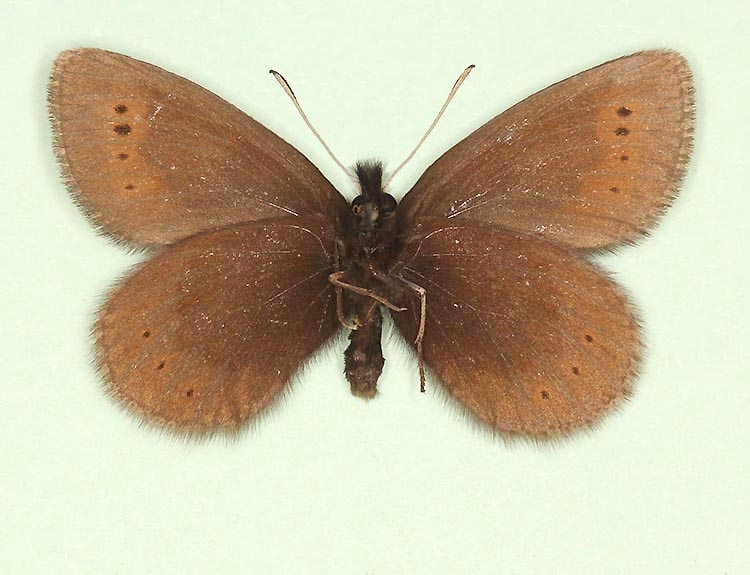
<point>257,260</point>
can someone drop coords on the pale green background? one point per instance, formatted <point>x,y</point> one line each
<point>329,484</point>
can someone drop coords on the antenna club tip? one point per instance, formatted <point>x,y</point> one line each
<point>281,80</point>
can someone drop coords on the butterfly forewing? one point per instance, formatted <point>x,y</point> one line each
<point>531,339</point>
<point>591,161</point>
<point>203,336</point>
<point>153,158</point>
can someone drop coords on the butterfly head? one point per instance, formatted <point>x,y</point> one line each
<point>373,210</point>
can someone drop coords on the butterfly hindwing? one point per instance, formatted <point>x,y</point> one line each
<point>206,334</point>
<point>528,336</point>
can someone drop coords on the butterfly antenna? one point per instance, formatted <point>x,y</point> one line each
<point>288,89</point>
<point>452,93</point>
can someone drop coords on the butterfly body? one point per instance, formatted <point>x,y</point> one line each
<point>258,261</point>
<point>366,260</point>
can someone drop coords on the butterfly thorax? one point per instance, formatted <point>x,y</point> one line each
<point>366,259</point>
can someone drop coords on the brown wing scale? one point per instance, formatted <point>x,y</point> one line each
<point>203,336</point>
<point>528,336</point>
<point>591,161</point>
<point>153,158</point>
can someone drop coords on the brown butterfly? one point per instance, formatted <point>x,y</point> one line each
<point>260,261</point>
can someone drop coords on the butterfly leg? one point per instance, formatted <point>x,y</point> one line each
<point>422,293</point>
<point>363,359</point>
<point>335,279</point>
<point>387,279</point>
<point>369,313</point>
<point>337,249</point>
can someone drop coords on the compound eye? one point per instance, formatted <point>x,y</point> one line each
<point>358,205</point>
<point>388,205</point>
